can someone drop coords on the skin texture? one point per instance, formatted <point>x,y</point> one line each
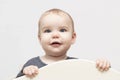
<point>56,35</point>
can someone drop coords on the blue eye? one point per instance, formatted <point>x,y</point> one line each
<point>63,30</point>
<point>47,31</point>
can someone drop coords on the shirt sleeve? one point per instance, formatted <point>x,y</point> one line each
<point>28,63</point>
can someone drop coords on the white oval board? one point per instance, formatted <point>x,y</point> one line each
<point>74,69</point>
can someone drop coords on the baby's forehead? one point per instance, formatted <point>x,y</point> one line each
<point>56,19</point>
<point>58,14</point>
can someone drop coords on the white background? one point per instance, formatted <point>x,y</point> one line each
<point>97,24</point>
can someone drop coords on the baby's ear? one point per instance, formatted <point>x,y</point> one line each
<point>73,38</point>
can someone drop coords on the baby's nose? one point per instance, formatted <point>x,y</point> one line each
<point>55,34</point>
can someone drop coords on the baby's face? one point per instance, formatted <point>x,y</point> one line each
<point>56,34</point>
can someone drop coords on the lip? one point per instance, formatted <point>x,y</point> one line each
<point>55,44</point>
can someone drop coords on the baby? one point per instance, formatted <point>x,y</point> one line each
<point>56,35</point>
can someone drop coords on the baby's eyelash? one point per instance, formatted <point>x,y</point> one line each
<point>47,31</point>
<point>63,30</point>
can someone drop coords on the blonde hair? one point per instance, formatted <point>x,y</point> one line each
<point>55,11</point>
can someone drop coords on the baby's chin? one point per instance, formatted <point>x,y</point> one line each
<point>57,54</point>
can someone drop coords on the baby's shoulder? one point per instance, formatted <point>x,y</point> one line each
<point>33,60</point>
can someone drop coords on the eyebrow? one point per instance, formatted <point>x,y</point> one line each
<point>49,27</point>
<point>66,27</point>
<point>46,27</point>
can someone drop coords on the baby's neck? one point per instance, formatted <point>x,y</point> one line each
<point>50,59</point>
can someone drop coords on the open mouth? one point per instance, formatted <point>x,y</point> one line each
<point>55,44</point>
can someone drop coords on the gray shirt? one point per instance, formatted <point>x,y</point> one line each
<point>37,62</point>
